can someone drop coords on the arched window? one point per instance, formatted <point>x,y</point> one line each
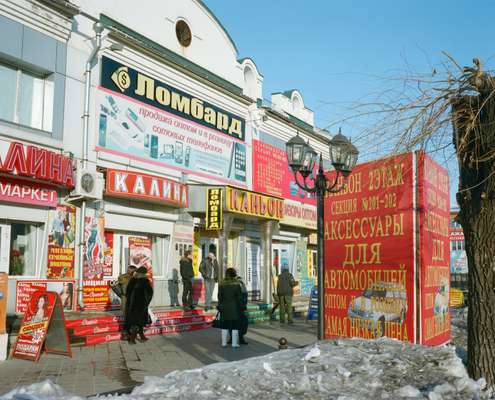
<point>249,82</point>
<point>297,103</point>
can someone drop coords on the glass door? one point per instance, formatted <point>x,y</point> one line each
<point>4,247</point>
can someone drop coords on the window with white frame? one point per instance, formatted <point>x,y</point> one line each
<point>24,249</point>
<point>159,252</point>
<point>26,98</point>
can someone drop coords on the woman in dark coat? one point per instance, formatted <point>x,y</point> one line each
<point>229,305</point>
<point>139,294</point>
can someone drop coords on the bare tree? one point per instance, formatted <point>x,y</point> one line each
<point>452,108</point>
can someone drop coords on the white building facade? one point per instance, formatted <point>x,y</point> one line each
<point>171,112</point>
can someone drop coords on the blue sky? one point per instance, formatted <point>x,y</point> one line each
<point>338,52</point>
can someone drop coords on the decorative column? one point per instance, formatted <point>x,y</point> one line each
<point>223,244</point>
<point>267,231</point>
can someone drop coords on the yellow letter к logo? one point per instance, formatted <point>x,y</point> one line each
<point>121,78</point>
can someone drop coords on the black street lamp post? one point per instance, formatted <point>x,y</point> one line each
<point>302,160</point>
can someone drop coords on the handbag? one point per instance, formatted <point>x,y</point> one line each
<point>217,323</point>
<point>117,289</point>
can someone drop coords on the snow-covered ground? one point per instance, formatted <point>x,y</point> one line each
<point>340,370</point>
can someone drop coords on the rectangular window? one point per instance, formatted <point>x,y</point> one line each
<point>23,249</point>
<point>159,252</point>
<point>26,98</point>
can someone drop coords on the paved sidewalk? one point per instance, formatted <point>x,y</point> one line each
<point>112,366</point>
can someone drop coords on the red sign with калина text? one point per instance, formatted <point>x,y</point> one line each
<point>272,174</point>
<point>434,222</point>
<point>369,253</point>
<point>37,163</point>
<point>152,188</point>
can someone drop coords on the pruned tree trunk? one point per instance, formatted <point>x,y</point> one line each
<point>474,138</point>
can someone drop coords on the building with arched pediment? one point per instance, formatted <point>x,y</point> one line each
<point>155,108</point>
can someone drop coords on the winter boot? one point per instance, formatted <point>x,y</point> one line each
<point>235,338</point>
<point>132,335</point>
<point>225,334</point>
<point>142,338</point>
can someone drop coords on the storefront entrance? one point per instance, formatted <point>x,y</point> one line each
<point>254,260</point>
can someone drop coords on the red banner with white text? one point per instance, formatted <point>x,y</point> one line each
<point>272,174</point>
<point>369,252</point>
<point>434,221</point>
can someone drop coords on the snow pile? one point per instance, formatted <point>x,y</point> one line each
<point>340,370</point>
<point>45,390</point>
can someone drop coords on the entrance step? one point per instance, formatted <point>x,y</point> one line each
<point>87,329</point>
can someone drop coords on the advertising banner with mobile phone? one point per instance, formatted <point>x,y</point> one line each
<point>272,174</point>
<point>147,120</point>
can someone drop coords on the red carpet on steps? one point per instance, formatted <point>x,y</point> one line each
<point>101,329</point>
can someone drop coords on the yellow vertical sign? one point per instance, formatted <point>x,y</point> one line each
<point>214,207</point>
<point>310,263</point>
<point>195,252</point>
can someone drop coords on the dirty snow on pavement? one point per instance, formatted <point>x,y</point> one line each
<point>340,370</point>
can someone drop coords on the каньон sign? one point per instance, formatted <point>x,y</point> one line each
<point>257,205</point>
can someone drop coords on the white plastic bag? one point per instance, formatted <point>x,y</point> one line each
<point>153,317</point>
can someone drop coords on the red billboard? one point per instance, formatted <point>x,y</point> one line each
<point>369,278</point>
<point>434,221</point>
<point>272,174</point>
<point>375,252</point>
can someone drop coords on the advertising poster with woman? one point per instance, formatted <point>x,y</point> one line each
<point>61,243</point>
<point>43,324</point>
<point>95,244</point>
<point>34,325</point>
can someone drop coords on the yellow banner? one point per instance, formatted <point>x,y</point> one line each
<point>299,214</point>
<point>214,208</point>
<point>254,204</point>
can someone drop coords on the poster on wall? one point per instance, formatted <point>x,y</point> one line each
<point>434,221</point>
<point>253,265</point>
<point>37,327</point>
<point>95,243</point>
<point>140,253</point>
<point>61,242</point>
<point>272,174</point>
<point>168,127</point>
<point>306,281</point>
<point>65,288</point>
<point>369,253</point>
<point>98,296</point>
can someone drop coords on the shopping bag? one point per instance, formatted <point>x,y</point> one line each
<point>153,317</point>
<point>216,322</point>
